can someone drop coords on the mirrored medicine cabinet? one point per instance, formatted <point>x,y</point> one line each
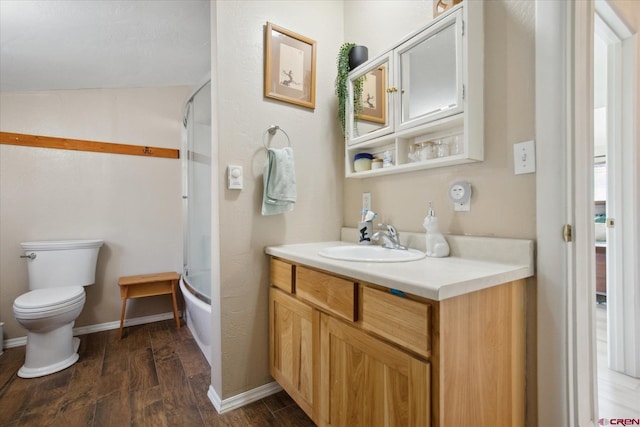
<point>422,100</point>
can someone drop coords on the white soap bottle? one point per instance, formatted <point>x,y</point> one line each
<point>437,245</point>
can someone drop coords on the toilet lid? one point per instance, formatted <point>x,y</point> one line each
<point>49,297</point>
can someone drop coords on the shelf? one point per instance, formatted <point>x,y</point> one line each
<point>414,166</point>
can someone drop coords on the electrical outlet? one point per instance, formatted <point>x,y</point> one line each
<point>524,157</point>
<point>366,201</point>
<point>460,195</point>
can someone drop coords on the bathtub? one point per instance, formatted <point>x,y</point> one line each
<point>197,315</point>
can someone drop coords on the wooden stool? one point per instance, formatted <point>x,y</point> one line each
<point>147,285</point>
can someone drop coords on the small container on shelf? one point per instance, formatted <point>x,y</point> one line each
<point>376,163</point>
<point>362,162</point>
<point>427,151</point>
<point>414,153</point>
<point>442,147</point>
<point>456,146</point>
<point>387,159</point>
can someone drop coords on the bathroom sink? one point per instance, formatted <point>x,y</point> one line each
<point>370,254</point>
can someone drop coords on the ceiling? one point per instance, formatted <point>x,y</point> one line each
<point>82,44</point>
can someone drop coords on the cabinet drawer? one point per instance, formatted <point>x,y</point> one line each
<point>281,275</point>
<point>335,295</point>
<point>401,320</point>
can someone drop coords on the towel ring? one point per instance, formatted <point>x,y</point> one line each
<point>272,131</point>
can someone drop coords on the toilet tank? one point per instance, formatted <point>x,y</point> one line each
<point>61,263</point>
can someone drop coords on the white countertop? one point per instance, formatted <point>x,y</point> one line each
<point>433,278</point>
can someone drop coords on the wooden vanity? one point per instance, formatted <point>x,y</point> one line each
<point>354,353</point>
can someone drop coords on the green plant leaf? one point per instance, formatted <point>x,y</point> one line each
<point>341,83</point>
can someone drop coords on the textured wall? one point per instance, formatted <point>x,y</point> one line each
<point>503,204</point>
<point>244,115</point>
<point>131,202</point>
<point>381,24</point>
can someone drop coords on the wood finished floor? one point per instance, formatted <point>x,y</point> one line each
<point>618,394</point>
<point>156,376</point>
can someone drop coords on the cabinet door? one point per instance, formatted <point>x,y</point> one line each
<point>294,340</point>
<point>370,115</point>
<point>430,74</point>
<point>365,382</point>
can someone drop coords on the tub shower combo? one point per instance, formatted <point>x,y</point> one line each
<point>196,195</point>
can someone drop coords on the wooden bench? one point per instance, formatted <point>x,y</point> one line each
<point>147,285</point>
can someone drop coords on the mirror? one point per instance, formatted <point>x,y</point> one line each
<point>370,100</point>
<point>429,80</point>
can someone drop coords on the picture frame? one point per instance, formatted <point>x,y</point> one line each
<point>441,6</point>
<point>374,99</point>
<point>289,67</point>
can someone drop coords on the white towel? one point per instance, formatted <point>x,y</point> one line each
<point>279,182</point>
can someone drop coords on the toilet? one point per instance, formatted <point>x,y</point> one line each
<point>57,271</point>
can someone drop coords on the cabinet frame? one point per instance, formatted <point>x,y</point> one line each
<point>467,119</point>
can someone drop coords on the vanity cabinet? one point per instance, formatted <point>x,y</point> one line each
<point>427,90</point>
<point>353,353</point>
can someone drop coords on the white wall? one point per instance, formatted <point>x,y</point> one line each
<point>244,115</point>
<point>132,202</point>
<point>502,204</point>
<point>380,24</point>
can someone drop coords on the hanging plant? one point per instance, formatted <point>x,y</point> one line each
<point>341,86</point>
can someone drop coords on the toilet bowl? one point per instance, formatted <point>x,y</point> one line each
<point>49,315</point>
<point>57,273</point>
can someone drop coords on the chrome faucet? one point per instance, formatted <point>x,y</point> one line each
<point>390,239</point>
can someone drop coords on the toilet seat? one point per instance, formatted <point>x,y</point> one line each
<point>48,301</point>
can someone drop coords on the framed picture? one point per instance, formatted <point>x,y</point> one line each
<point>289,67</point>
<point>374,105</point>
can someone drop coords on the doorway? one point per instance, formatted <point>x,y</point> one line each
<point>616,338</point>
<point>567,384</point>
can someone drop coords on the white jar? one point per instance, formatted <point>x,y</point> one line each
<point>362,162</point>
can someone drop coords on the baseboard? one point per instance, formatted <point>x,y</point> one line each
<point>242,399</point>
<point>84,330</point>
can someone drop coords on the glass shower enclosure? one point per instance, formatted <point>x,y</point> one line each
<point>196,164</point>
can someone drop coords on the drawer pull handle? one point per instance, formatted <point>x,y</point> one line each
<point>398,293</point>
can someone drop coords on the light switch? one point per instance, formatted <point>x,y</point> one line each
<point>234,177</point>
<point>524,157</point>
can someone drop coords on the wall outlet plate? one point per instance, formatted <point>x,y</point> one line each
<point>366,201</point>
<point>524,157</point>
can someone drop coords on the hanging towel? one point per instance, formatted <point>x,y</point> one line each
<point>279,181</point>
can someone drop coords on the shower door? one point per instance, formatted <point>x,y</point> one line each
<point>196,161</point>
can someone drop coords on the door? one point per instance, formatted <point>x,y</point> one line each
<point>623,295</point>
<point>567,391</point>
<point>293,339</point>
<point>365,381</point>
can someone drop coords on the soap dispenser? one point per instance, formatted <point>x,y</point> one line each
<point>436,244</point>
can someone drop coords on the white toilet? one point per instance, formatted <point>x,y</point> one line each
<point>57,271</point>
